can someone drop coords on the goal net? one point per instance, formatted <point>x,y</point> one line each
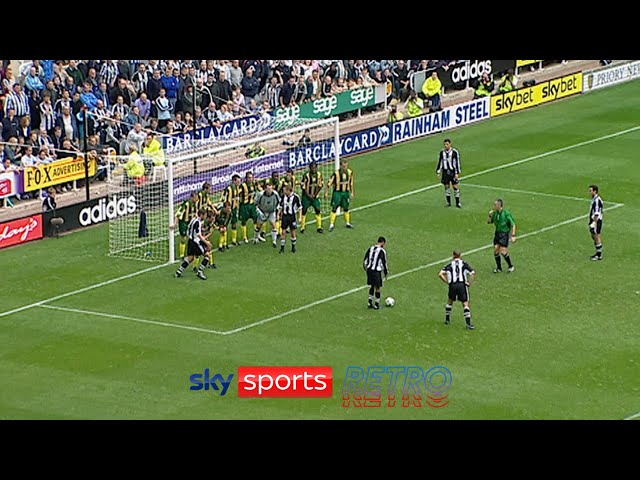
<point>146,235</point>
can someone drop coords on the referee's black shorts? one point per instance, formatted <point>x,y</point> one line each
<point>501,238</point>
<point>458,291</point>
<point>374,278</point>
<point>195,249</point>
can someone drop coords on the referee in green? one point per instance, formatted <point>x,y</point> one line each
<point>505,224</point>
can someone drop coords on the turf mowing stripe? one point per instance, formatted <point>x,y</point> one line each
<point>412,270</point>
<point>133,319</point>
<point>515,190</point>
<point>363,207</point>
<point>81,290</point>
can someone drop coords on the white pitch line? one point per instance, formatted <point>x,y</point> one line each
<point>308,305</point>
<point>635,415</point>
<point>132,319</point>
<point>84,289</point>
<point>374,204</point>
<point>542,194</point>
<point>398,275</point>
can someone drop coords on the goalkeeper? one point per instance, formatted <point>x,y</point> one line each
<point>267,202</point>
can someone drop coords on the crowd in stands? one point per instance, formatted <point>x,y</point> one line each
<point>45,104</point>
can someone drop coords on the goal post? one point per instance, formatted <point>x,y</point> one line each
<point>215,163</point>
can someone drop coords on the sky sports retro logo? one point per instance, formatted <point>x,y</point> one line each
<point>396,387</point>
<point>269,382</point>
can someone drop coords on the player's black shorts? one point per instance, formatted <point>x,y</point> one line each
<point>288,221</point>
<point>458,291</point>
<point>374,278</point>
<point>449,177</point>
<point>598,228</point>
<point>195,249</point>
<point>501,238</point>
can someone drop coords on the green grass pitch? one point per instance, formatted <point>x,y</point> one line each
<point>556,339</point>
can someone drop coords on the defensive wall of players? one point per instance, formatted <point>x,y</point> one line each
<point>98,210</point>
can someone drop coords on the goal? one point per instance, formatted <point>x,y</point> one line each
<point>141,228</point>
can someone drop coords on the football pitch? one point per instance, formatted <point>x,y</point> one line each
<point>86,336</point>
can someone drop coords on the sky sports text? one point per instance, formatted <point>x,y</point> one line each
<point>392,386</point>
<point>269,382</point>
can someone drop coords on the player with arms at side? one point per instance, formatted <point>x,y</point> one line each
<point>505,223</point>
<point>184,213</point>
<point>459,275</point>
<point>274,180</point>
<point>205,198</point>
<point>289,211</point>
<point>343,191</point>
<point>231,194</point>
<point>595,221</point>
<point>449,170</point>
<point>223,219</point>
<point>375,264</point>
<point>267,203</point>
<point>312,183</point>
<point>198,246</point>
<point>248,190</point>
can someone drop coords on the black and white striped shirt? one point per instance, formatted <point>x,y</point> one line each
<point>376,259</point>
<point>194,229</point>
<point>458,271</point>
<point>19,102</point>
<point>290,204</point>
<point>449,161</point>
<point>596,208</point>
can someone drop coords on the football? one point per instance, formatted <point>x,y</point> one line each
<point>389,302</point>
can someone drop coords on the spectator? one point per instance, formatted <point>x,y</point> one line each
<point>120,107</point>
<point>305,139</point>
<point>327,87</point>
<point>76,104</point>
<point>171,84</point>
<point>122,88</point>
<point>272,92</point>
<point>49,203</point>
<point>154,85</point>
<point>339,86</point>
<point>178,123</point>
<point>135,137</point>
<point>282,71</point>
<point>28,158</point>
<point>235,74</point>
<point>10,125</point>
<point>287,91</point>
<point>57,138</point>
<point>432,91</point>
<point>414,105</point>
<point>63,101</point>
<point>307,69</point>
<point>87,96</point>
<point>44,157</point>
<point>201,121</point>
<point>68,124</point>
<point>140,79</point>
<point>109,73</point>
<point>300,91</point>
<point>76,75</point>
<point>114,135</point>
<point>45,142</point>
<point>239,103</point>
<point>3,156</point>
<point>224,114</point>
<point>224,90</point>
<point>211,114</point>
<point>33,140</point>
<point>50,89</point>
<point>250,85</point>
<point>24,129</point>
<point>33,82</point>
<point>144,106</point>
<point>189,98</point>
<point>47,115</point>
<point>133,117</point>
<point>100,116</point>
<point>92,78</point>
<point>485,87</point>
<point>314,86</point>
<point>169,128</point>
<point>163,107</point>
<point>254,108</point>
<point>70,86</point>
<point>17,100</point>
<point>507,82</point>
<point>124,69</point>
<point>8,80</point>
<point>13,152</point>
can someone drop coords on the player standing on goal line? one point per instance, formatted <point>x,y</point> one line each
<point>458,275</point>
<point>449,167</point>
<point>198,246</point>
<point>595,221</point>
<point>375,264</point>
